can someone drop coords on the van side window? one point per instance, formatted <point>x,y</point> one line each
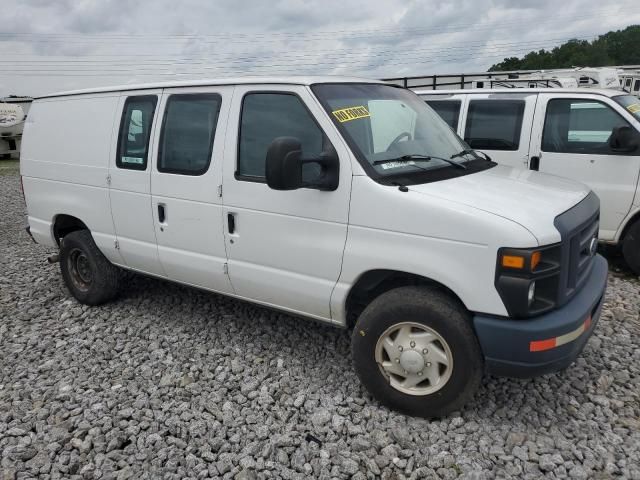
<point>579,126</point>
<point>188,129</point>
<point>636,86</point>
<point>135,130</point>
<point>267,116</point>
<point>449,110</point>
<point>494,124</point>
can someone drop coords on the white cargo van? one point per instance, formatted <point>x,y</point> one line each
<point>341,200</point>
<point>592,136</point>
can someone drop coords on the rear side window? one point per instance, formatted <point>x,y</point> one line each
<point>449,110</point>
<point>267,116</point>
<point>188,129</point>
<point>135,130</point>
<point>636,86</point>
<point>494,124</point>
<point>579,126</point>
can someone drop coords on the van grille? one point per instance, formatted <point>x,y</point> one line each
<point>578,227</point>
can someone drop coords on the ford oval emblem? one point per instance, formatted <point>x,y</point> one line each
<point>593,246</point>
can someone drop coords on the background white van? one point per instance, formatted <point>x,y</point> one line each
<point>592,136</point>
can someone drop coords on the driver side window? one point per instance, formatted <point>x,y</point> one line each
<point>579,126</point>
<point>267,116</point>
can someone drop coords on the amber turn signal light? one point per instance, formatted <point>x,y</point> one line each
<point>521,262</point>
<point>535,259</point>
<point>513,261</point>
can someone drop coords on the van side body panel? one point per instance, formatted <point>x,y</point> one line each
<point>64,165</point>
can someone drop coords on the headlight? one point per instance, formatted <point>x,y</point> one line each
<point>531,295</point>
<point>527,279</point>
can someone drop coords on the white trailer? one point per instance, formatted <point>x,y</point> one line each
<point>13,112</point>
<point>630,82</point>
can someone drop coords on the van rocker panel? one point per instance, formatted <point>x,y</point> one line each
<point>507,346</point>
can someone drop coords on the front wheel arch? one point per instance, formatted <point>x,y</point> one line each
<point>373,283</point>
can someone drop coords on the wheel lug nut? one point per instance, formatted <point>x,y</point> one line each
<point>400,347</point>
<point>413,344</point>
<point>428,364</point>
<point>425,351</point>
<point>397,360</point>
<point>419,374</point>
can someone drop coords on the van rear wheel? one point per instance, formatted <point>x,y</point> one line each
<point>631,247</point>
<point>415,350</point>
<point>89,276</point>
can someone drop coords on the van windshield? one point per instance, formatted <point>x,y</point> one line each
<point>394,133</point>
<point>630,103</point>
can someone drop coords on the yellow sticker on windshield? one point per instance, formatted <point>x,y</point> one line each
<point>351,113</point>
<point>634,108</point>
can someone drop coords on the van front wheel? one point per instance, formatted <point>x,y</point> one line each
<point>89,276</point>
<point>415,350</point>
<point>631,247</point>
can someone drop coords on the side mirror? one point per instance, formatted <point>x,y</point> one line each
<point>623,139</point>
<point>284,166</point>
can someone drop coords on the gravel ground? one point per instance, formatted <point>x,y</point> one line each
<point>169,382</point>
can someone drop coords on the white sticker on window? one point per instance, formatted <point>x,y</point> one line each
<point>387,166</point>
<point>133,160</point>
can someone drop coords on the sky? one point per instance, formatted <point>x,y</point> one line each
<point>48,46</point>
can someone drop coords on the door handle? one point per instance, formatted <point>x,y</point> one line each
<point>534,163</point>
<point>162,214</point>
<point>231,222</point>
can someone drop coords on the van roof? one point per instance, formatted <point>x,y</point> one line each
<point>292,80</point>
<point>593,91</point>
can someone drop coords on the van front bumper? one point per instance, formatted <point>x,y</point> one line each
<point>548,343</point>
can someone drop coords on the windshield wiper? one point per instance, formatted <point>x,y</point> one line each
<point>466,151</point>
<point>419,158</point>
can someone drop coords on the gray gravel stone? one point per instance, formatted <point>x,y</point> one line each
<point>169,382</point>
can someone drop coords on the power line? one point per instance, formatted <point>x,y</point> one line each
<point>230,38</point>
<point>484,46</point>
<point>128,72</point>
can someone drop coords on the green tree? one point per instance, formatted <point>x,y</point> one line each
<point>613,48</point>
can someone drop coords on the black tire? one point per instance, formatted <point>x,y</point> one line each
<point>631,247</point>
<point>441,313</point>
<point>89,276</point>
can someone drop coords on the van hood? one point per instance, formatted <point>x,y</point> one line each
<point>531,199</point>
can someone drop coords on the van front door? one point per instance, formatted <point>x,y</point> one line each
<point>571,139</point>
<point>499,124</point>
<point>285,247</point>
<point>185,181</point>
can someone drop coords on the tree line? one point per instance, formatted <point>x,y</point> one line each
<point>620,47</point>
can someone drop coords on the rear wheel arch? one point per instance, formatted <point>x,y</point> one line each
<point>373,283</point>
<point>65,224</point>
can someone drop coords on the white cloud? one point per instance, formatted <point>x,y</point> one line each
<point>47,46</point>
